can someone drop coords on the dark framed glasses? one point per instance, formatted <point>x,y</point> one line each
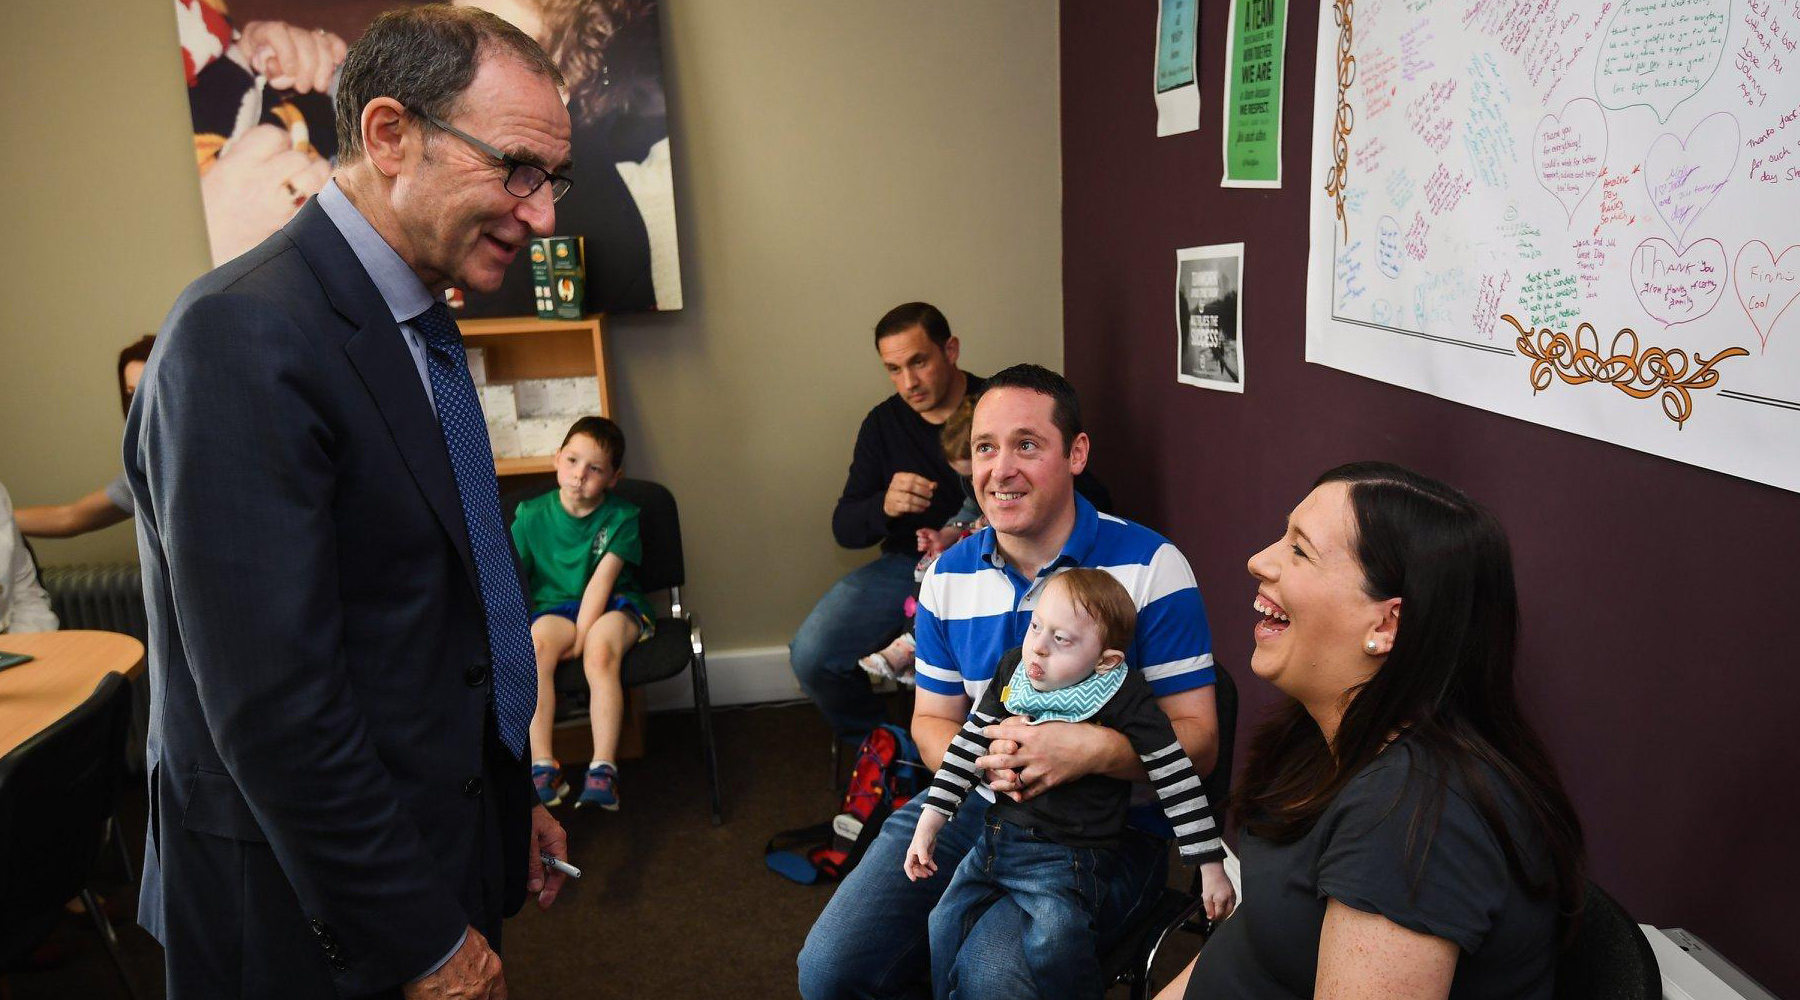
<point>522,179</point>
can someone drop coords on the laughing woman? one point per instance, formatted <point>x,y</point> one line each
<point>1404,832</point>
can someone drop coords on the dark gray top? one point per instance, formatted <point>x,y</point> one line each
<point>1357,853</point>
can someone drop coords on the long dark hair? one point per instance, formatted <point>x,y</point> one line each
<point>1447,685</point>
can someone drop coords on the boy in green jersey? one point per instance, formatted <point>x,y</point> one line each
<point>579,545</point>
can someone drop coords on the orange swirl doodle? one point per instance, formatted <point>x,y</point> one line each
<point>1341,12</point>
<point>1639,372</point>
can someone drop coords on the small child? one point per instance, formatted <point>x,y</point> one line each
<point>1041,853</point>
<point>894,664</point>
<point>579,544</point>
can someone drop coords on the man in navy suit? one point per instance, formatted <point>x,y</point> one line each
<point>338,803</point>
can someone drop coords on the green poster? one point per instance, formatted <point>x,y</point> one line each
<point>1256,43</point>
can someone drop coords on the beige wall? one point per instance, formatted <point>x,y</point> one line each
<point>832,159</point>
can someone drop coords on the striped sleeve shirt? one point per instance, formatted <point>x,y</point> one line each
<point>973,607</point>
<point>1089,812</point>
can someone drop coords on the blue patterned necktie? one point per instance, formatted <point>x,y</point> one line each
<point>472,460</point>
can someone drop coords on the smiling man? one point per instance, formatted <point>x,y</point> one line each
<point>338,646</point>
<point>976,603</point>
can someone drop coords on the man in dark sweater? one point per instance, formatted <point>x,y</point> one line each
<point>899,482</point>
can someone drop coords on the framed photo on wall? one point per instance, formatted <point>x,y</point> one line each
<point>262,77</point>
<point>1209,349</point>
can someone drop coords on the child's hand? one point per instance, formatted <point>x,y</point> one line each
<point>919,863</point>
<point>929,542</point>
<point>1216,891</point>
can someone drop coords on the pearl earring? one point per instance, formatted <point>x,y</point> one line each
<point>1370,645</point>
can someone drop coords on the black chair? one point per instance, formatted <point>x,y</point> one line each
<point>58,792</point>
<point>1610,959</point>
<point>677,644</point>
<point>1130,959</point>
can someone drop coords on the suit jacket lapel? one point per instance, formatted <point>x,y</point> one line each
<point>386,367</point>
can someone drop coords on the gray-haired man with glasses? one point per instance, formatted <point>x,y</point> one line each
<point>338,640</point>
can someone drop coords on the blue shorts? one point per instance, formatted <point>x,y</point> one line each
<point>569,609</point>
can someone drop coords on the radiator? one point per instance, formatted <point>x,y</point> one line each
<point>109,598</point>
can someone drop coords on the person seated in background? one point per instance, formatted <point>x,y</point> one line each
<point>1404,831</point>
<point>894,663</point>
<point>24,607</point>
<point>109,504</point>
<point>579,545</point>
<point>1040,853</point>
<point>898,483</point>
<point>871,940</point>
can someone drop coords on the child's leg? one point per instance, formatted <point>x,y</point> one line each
<point>607,643</point>
<point>552,637</point>
<point>970,893</point>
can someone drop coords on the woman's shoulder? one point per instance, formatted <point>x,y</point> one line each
<point>1456,792</point>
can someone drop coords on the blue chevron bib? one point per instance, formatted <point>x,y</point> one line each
<point>1075,703</point>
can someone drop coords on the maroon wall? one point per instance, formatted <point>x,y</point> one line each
<point>1652,591</point>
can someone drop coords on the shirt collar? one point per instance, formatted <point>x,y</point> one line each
<point>1075,551</point>
<point>406,296</point>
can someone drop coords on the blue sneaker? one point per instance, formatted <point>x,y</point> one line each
<point>601,788</point>
<point>547,779</point>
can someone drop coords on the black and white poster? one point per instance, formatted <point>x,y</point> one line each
<point>1208,317</point>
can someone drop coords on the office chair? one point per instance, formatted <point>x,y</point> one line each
<point>1610,959</point>
<point>58,792</point>
<point>1129,960</point>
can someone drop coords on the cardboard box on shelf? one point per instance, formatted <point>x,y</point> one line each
<point>503,437</point>
<point>498,402</point>
<point>557,397</point>
<point>542,435</point>
<point>477,364</point>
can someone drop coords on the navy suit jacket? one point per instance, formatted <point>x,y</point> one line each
<point>325,784</point>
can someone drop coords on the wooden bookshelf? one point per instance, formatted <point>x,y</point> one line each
<point>527,347</point>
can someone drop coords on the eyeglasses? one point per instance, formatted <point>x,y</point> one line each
<point>522,179</point>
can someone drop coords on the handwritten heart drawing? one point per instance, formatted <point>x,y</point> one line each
<point>1569,151</point>
<point>1766,284</point>
<point>1683,176</point>
<point>1678,286</point>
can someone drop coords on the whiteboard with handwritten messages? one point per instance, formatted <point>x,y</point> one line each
<point>1580,213</point>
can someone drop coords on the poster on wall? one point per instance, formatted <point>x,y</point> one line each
<point>262,75</point>
<point>1256,48</point>
<point>1177,66</point>
<point>1589,219</point>
<point>1209,313</point>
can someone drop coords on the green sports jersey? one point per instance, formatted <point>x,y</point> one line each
<point>560,552</point>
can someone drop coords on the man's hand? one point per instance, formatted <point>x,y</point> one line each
<point>547,837</point>
<point>908,493</point>
<point>1044,755</point>
<point>292,58</point>
<point>473,973</point>
<point>253,188</point>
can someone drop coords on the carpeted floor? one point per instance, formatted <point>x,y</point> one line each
<point>668,906</point>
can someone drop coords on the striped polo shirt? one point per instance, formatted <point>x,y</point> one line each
<point>973,607</point>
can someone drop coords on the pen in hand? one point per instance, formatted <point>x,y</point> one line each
<point>560,865</point>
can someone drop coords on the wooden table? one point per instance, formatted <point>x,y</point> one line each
<point>68,667</point>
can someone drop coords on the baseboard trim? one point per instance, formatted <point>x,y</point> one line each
<point>746,676</point>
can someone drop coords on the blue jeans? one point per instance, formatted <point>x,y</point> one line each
<point>854,618</point>
<point>1055,887</point>
<point>873,941</point>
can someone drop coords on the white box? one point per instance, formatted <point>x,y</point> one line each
<point>477,364</point>
<point>503,437</point>
<point>498,403</point>
<point>541,435</point>
<point>558,397</point>
<point>575,396</point>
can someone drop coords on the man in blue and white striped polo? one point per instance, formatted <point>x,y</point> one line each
<point>975,604</point>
